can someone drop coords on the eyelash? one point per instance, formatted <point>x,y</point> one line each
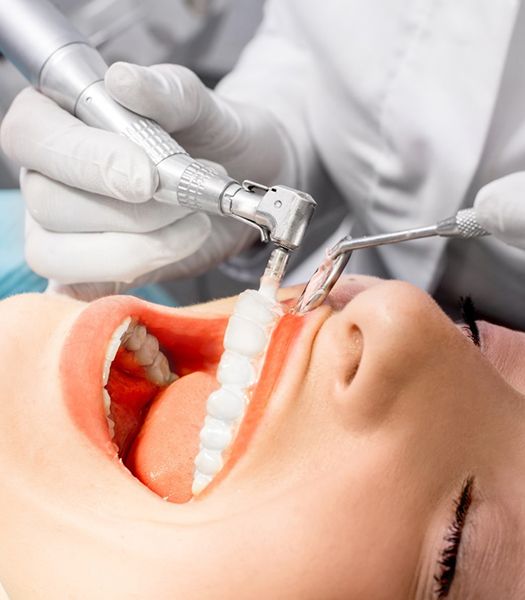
<point>469,315</point>
<point>449,555</point>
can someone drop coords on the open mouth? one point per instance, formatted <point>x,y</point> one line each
<point>139,381</point>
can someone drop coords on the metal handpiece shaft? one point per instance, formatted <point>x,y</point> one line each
<point>61,64</point>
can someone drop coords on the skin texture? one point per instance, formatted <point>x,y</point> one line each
<point>346,488</point>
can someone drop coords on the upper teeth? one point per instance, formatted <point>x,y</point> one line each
<point>235,369</point>
<point>245,340</point>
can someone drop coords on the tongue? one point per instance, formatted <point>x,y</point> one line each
<point>163,452</point>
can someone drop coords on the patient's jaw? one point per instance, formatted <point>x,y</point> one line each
<point>346,477</point>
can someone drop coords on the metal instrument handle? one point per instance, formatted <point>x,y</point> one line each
<point>462,225</point>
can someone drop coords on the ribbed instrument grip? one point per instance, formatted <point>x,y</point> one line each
<point>468,225</point>
<point>157,144</point>
<point>193,190</point>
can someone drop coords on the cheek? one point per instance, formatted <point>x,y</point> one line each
<point>348,530</point>
<point>33,328</point>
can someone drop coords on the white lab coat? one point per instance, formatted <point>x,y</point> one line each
<point>411,106</point>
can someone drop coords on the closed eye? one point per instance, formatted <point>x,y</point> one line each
<point>447,564</point>
<point>469,315</point>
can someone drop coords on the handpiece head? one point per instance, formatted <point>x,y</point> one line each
<point>281,214</point>
<point>286,214</point>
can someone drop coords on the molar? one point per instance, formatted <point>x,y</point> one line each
<point>159,371</point>
<point>147,353</point>
<point>134,337</point>
<point>146,350</point>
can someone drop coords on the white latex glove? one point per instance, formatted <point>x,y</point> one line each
<point>88,192</point>
<point>500,209</point>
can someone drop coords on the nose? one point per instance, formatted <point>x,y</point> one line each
<point>405,338</point>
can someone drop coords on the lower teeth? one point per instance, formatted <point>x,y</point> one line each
<point>107,409</point>
<point>134,337</point>
<point>145,348</point>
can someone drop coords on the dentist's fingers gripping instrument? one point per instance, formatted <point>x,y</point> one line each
<point>61,64</point>
<point>462,225</point>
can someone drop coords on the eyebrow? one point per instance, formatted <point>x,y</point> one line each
<point>449,555</point>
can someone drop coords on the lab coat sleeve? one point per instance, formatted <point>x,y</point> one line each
<point>275,73</point>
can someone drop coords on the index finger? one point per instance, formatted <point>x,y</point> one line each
<point>43,137</point>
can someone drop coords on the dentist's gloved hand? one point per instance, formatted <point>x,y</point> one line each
<point>500,209</point>
<point>88,192</point>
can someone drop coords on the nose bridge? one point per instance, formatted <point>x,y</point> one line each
<point>399,319</point>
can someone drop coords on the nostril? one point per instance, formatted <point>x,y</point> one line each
<point>355,351</point>
<point>403,328</point>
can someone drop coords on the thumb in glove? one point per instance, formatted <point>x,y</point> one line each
<point>500,209</point>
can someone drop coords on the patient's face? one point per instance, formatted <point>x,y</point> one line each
<point>385,437</point>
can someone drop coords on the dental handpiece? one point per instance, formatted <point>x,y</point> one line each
<point>462,225</point>
<point>60,63</point>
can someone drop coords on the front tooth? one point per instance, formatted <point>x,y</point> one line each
<point>107,409</point>
<point>216,434</point>
<point>200,482</point>
<point>235,369</point>
<point>226,404</point>
<point>112,349</point>
<point>107,402</point>
<point>208,462</point>
<point>245,340</point>
<point>244,337</point>
<point>136,339</point>
<point>255,307</point>
<point>147,353</point>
